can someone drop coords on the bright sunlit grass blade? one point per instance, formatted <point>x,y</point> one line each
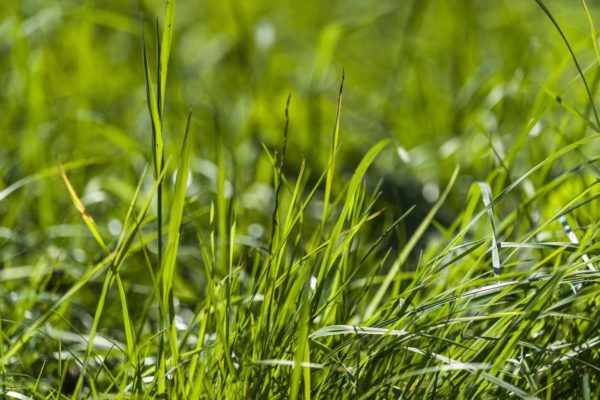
<point>486,196</point>
<point>87,218</point>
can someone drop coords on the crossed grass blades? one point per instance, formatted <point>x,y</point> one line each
<point>501,302</point>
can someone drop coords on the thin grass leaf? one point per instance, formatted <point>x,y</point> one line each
<point>541,4</point>
<point>334,330</point>
<point>571,109</point>
<point>48,173</point>
<point>116,260</point>
<point>575,241</point>
<point>508,387</point>
<point>168,268</point>
<point>165,49</point>
<point>87,218</point>
<point>593,34</point>
<point>332,153</point>
<point>279,175</point>
<point>127,323</point>
<point>35,326</point>
<point>486,196</point>
<point>157,134</point>
<point>395,268</point>
<point>331,251</point>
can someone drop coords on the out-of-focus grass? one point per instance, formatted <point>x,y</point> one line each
<point>343,289</point>
<point>440,76</point>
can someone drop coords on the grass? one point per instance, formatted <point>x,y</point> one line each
<point>440,241</point>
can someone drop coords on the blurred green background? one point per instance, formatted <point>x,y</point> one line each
<point>445,79</point>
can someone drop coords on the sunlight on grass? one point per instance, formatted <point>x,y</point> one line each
<point>365,200</point>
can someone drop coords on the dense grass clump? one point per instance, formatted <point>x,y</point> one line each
<point>430,232</point>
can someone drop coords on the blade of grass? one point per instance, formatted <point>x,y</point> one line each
<point>165,49</point>
<point>155,119</point>
<point>541,4</point>
<point>379,295</point>
<point>175,222</point>
<point>332,154</point>
<point>593,34</point>
<point>47,173</point>
<point>328,257</point>
<point>117,260</point>
<point>486,196</point>
<point>87,218</point>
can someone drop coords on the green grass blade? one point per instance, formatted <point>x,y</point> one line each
<point>175,223</point>
<point>541,4</point>
<point>87,218</point>
<point>486,195</point>
<point>381,292</point>
<point>593,34</point>
<point>328,259</point>
<point>153,109</point>
<point>165,49</point>
<point>332,153</point>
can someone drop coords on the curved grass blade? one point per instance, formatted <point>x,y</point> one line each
<point>593,34</point>
<point>117,260</point>
<point>47,173</point>
<point>575,241</point>
<point>328,258</point>
<point>564,38</point>
<point>37,324</point>
<point>374,304</point>
<point>334,330</point>
<point>486,196</point>
<point>87,218</point>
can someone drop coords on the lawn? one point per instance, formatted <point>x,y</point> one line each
<point>299,200</point>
